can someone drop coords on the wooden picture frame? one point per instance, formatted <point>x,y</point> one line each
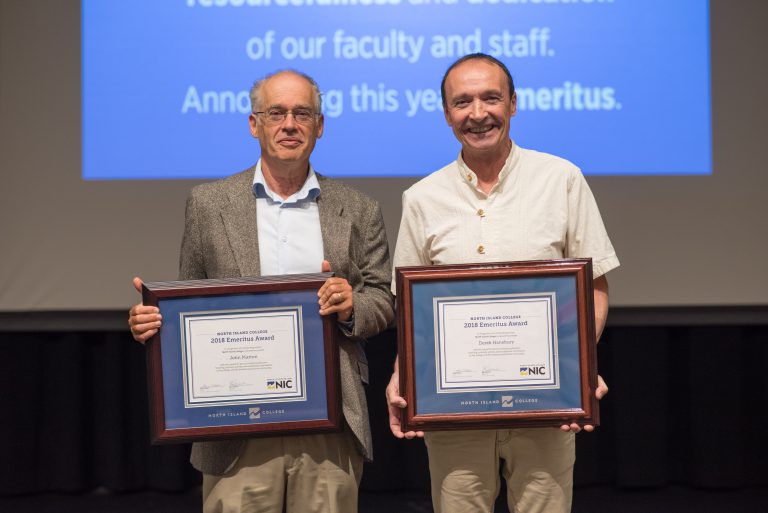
<point>241,357</point>
<point>498,345</point>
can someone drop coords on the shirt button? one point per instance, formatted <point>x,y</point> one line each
<point>481,249</point>
<point>481,212</point>
<point>469,177</point>
<point>284,238</point>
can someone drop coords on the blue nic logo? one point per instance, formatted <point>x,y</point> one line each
<point>507,401</point>
<point>532,370</point>
<point>275,384</point>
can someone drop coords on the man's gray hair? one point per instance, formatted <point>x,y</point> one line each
<point>257,87</point>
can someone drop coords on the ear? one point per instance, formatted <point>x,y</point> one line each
<point>513,106</point>
<point>252,122</point>
<point>320,125</point>
<point>447,116</point>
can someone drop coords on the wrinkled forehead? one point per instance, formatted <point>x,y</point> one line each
<point>287,90</point>
<point>475,75</point>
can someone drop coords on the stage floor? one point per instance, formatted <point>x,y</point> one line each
<point>599,499</point>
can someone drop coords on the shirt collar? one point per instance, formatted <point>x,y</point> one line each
<point>469,177</point>
<point>309,191</point>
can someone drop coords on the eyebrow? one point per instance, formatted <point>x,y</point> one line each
<point>486,92</point>
<point>460,97</point>
<point>283,107</point>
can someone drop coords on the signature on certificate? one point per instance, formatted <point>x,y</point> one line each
<point>235,385</point>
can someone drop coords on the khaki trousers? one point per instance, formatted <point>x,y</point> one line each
<point>306,473</point>
<point>538,468</point>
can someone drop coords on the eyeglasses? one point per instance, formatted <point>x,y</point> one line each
<point>274,116</point>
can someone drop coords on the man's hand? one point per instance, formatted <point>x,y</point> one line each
<point>335,296</point>
<point>600,392</point>
<point>144,321</point>
<point>601,314</point>
<point>394,404</point>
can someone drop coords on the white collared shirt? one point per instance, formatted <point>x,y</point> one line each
<point>290,239</point>
<point>541,208</point>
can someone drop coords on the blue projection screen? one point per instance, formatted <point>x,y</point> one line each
<point>618,87</point>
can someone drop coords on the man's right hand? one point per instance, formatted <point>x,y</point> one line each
<point>395,403</point>
<point>144,321</point>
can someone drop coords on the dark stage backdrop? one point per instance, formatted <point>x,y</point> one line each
<point>687,405</point>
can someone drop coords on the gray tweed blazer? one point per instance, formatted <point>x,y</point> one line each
<point>221,241</point>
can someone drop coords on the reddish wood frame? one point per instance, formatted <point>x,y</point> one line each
<point>152,292</point>
<point>580,269</point>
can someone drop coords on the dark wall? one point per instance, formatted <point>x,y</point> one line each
<point>686,405</point>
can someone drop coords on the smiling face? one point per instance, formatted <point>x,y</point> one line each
<point>478,108</point>
<point>286,142</point>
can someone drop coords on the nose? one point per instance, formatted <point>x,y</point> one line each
<point>477,111</point>
<point>289,123</point>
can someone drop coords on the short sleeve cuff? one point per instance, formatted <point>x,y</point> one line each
<point>602,266</point>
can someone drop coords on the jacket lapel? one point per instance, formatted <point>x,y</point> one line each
<point>239,217</point>
<point>334,226</point>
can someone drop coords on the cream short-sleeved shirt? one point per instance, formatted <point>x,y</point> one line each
<point>541,208</point>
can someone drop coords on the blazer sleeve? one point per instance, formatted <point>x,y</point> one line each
<point>373,302</point>
<point>191,263</point>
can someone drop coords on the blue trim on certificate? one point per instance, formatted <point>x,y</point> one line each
<point>310,404</point>
<point>560,390</point>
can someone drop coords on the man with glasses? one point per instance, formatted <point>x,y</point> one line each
<point>499,202</point>
<point>281,217</point>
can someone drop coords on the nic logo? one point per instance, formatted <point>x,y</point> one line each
<point>254,413</point>
<point>527,370</point>
<point>275,384</point>
<point>507,401</point>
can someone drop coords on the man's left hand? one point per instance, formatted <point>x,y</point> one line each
<point>335,296</point>
<point>600,392</point>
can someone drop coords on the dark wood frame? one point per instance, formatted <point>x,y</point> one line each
<point>153,292</point>
<point>581,269</point>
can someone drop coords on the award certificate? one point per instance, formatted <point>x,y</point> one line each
<point>241,357</point>
<point>484,341</point>
<point>505,344</point>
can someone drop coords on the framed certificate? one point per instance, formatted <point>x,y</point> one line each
<point>241,357</point>
<point>508,344</point>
